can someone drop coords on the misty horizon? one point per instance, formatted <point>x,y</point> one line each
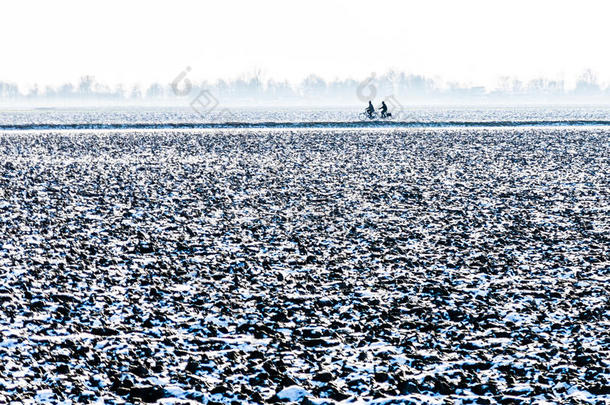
<point>254,89</point>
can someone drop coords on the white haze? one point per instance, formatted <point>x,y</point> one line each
<point>463,48</point>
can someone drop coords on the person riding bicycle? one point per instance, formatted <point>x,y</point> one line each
<point>370,109</point>
<point>384,110</point>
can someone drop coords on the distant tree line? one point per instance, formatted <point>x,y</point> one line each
<point>254,89</point>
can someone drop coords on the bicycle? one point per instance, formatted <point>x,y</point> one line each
<point>374,115</point>
<point>368,115</point>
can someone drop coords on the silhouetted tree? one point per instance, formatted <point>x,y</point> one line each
<point>587,84</point>
<point>86,85</point>
<point>313,86</point>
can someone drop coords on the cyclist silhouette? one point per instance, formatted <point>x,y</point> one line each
<point>384,110</point>
<point>370,109</point>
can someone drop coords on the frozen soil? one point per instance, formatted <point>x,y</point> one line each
<point>253,266</point>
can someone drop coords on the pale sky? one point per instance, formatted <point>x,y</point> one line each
<point>471,41</point>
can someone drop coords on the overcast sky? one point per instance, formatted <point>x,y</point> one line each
<point>473,42</point>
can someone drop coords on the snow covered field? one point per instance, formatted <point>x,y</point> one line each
<point>381,265</point>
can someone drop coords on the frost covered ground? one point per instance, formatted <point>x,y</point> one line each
<point>249,266</point>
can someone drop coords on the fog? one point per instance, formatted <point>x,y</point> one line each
<point>254,90</point>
